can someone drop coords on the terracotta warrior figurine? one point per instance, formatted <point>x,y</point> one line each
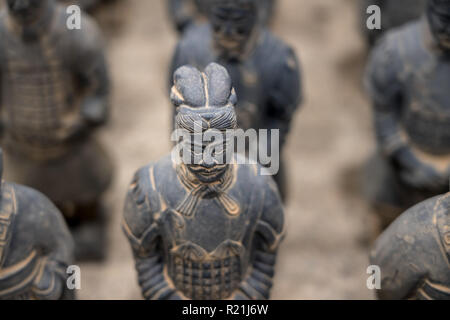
<point>414,253</point>
<point>35,245</point>
<point>264,70</point>
<point>207,230</point>
<point>54,91</point>
<point>408,81</point>
<point>185,13</point>
<point>394,13</point>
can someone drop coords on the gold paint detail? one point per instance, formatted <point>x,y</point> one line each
<point>197,190</point>
<point>205,87</point>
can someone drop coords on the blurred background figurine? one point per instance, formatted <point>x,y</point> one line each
<point>414,253</point>
<point>394,13</point>
<point>86,5</point>
<point>185,13</point>
<point>408,81</point>
<point>54,94</point>
<point>265,71</point>
<point>203,230</point>
<point>35,245</point>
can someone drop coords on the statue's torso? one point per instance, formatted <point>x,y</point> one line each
<point>436,285</point>
<point>207,244</point>
<point>425,76</point>
<point>38,88</point>
<point>19,261</point>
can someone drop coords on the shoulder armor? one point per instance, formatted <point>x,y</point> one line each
<point>442,220</point>
<point>139,220</point>
<point>8,211</point>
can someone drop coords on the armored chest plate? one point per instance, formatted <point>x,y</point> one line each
<point>205,276</point>
<point>7,214</point>
<point>35,82</point>
<point>427,116</point>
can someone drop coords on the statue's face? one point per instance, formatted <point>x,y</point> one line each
<point>27,11</point>
<point>233,26</point>
<point>211,165</point>
<point>440,25</point>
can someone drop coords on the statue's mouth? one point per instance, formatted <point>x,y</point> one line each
<point>208,174</point>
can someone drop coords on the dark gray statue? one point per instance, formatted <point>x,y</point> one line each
<point>414,253</point>
<point>185,13</point>
<point>394,13</point>
<point>407,79</point>
<point>207,230</point>
<point>265,71</point>
<point>35,245</point>
<point>54,91</point>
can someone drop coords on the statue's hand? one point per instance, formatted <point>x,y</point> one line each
<point>94,111</point>
<point>418,174</point>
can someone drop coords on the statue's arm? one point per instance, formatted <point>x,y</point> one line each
<point>403,251</point>
<point>56,245</point>
<point>269,233</point>
<point>385,90</point>
<point>141,229</point>
<point>285,95</point>
<point>91,70</point>
<point>1,89</point>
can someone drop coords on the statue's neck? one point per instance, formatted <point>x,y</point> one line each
<point>191,181</point>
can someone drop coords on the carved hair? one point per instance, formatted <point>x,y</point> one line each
<point>205,98</point>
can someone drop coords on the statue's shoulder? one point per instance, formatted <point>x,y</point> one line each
<point>273,50</point>
<point>403,43</point>
<point>442,220</point>
<point>144,199</point>
<point>414,233</point>
<point>257,177</point>
<point>418,219</point>
<point>31,204</point>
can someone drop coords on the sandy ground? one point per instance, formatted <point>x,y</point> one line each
<point>323,256</point>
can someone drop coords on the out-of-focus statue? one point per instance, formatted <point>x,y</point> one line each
<point>86,5</point>
<point>54,90</point>
<point>185,13</point>
<point>414,253</point>
<point>408,81</point>
<point>265,71</point>
<point>206,230</point>
<point>35,245</point>
<point>394,13</point>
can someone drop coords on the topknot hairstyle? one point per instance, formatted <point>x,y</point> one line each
<point>204,97</point>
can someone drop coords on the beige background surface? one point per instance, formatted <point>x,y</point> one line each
<point>323,256</point>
